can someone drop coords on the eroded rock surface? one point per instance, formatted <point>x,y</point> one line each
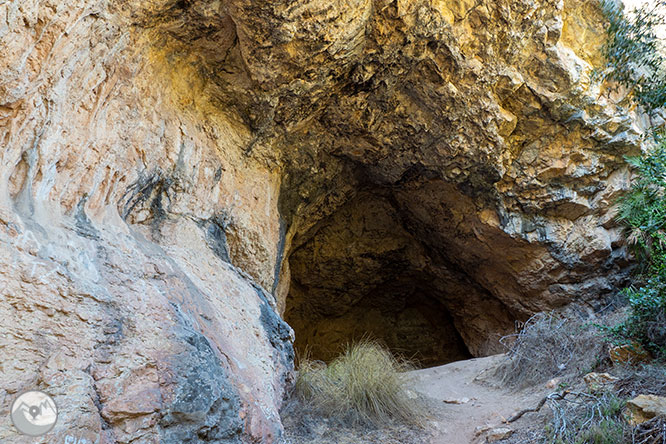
<point>482,125</point>
<point>176,173</point>
<point>136,241</point>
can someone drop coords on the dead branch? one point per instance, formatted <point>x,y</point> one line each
<point>552,396</point>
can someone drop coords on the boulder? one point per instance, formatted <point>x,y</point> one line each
<point>498,434</point>
<point>632,353</point>
<point>596,381</point>
<point>642,408</point>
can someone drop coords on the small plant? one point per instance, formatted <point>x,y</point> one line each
<point>587,419</point>
<point>364,385</point>
<point>607,431</point>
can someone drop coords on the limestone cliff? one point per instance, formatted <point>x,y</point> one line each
<point>178,174</point>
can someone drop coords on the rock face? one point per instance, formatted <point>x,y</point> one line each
<point>492,156</point>
<point>136,241</point>
<point>177,174</point>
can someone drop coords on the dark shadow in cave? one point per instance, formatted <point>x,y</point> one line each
<point>409,321</point>
<point>362,274</point>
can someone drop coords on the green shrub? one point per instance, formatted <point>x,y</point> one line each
<point>634,51</point>
<point>643,213</point>
<point>643,210</point>
<point>635,59</point>
<point>647,320</point>
<point>366,384</point>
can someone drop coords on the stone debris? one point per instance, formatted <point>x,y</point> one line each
<point>642,408</point>
<point>480,430</point>
<point>596,381</point>
<point>457,400</point>
<point>498,434</point>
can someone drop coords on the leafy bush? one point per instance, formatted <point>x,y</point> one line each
<point>634,51</point>
<point>635,56</point>
<point>643,209</point>
<point>364,385</point>
<point>647,321</point>
<point>643,212</point>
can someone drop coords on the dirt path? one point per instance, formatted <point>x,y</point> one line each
<point>481,401</point>
<point>463,396</point>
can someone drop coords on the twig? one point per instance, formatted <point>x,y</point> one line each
<point>552,396</point>
<point>650,432</point>
<point>520,414</point>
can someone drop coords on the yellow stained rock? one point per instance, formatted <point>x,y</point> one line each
<point>645,407</point>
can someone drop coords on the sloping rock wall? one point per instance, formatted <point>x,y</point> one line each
<point>137,243</point>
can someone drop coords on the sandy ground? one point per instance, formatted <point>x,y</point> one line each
<point>482,402</point>
<point>462,397</point>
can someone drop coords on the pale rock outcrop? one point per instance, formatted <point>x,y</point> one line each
<point>642,408</point>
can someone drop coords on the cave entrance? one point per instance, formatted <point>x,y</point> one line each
<point>363,273</point>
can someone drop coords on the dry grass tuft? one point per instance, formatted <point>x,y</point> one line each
<point>547,346</point>
<point>365,385</point>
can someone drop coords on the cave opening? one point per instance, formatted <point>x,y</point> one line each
<point>408,321</point>
<point>371,271</point>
